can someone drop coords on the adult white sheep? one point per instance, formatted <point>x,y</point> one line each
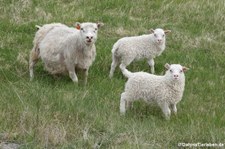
<point>165,90</point>
<point>65,49</point>
<point>128,49</point>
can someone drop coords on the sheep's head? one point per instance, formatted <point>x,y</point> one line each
<point>159,35</point>
<point>175,71</point>
<point>88,31</point>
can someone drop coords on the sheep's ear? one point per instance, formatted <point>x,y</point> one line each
<point>167,66</point>
<point>185,68</point>
<point>167,31</point>
<point>100,24</point>
<point>151,31</point>
<point>77,25</point>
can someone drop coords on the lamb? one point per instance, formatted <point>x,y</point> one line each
<point>166,91</point>
<point>65,49</point>
<point>128,49</point>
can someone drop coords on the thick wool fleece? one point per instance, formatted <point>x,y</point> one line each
<point>63,49</point>
<point>165,90</point>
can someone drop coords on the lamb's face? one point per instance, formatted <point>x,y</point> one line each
<point>159,35</point>
<point>88,32</point>
<point>175,71</point>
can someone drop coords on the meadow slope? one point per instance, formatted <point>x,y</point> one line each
<point>54,113</point>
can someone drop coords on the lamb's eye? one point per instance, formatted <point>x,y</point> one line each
<point>155,35</point>
<point>171,70</point>
<point>163,35</point>
<point>181,71</point>
<point>96,29</point>
<point>82,29</point>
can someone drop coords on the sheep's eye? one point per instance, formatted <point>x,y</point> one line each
<point>181,71</point>
<point>82,29</point>
<point>163,35</point>
<point>96,29</point>
<point>171,70</point>
<point>155,35</point>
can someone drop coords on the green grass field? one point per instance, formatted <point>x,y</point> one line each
<point>54,113</point>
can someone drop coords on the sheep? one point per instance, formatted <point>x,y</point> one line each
<point>166,91</point>
<point>128,49</point>
<point>65,49</point>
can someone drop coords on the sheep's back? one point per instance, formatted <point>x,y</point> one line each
<point>44,30</point>
<point>137,47</point>
<point>143,85</point>
<point>153,88</point>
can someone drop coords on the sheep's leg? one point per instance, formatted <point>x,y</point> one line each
<point>85,76</point>
<point>31,69</point>
<point>71,70</point>
<point>114,64</point>
<point>151,63</point>
<point>123,103</point>
<point>166,110</point>
<point>174,108</point>
<point>34,57</point>
<point>73,76</point>
<point>129,104</point>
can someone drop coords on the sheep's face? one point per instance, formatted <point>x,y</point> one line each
<point>159,35</point>
<point>88,32</point>
<point>175,71</point>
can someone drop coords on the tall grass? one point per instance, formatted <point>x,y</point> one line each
<point>54,113</point>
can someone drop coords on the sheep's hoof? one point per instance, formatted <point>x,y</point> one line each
<point>75,80</point>
<point>122,113</point>
<point>31,78</point>
<point>167,118</point>
<point>110,76</point>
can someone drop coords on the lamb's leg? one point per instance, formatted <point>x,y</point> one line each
<point>129,104</point>
<point>114,64</point>
<point>166,110</point>
<point>151,64</point>
<point>123,103</point>
<point>174,108</point>
<point>34,57</point>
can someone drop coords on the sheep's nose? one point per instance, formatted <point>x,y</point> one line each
<point>175,76</point>
<point>159,40</point>
<point>89,37</point>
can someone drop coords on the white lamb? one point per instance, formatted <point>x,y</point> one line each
<point>64,49</point>
<point>128,49</point>
<point>166,91</point>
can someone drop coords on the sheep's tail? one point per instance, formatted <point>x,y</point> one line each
<point>115,47</point>
<point>126,72</point>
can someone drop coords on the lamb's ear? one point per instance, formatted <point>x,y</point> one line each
<point>185,69</point>
<point>167,31</point>
<point>151,31</point>
<point>100,24</point>
<point>167,66</point>
<point>77,25</point>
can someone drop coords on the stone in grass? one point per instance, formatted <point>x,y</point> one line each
<point>7,145</point>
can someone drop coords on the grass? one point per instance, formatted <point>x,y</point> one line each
<point>54,113</point>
